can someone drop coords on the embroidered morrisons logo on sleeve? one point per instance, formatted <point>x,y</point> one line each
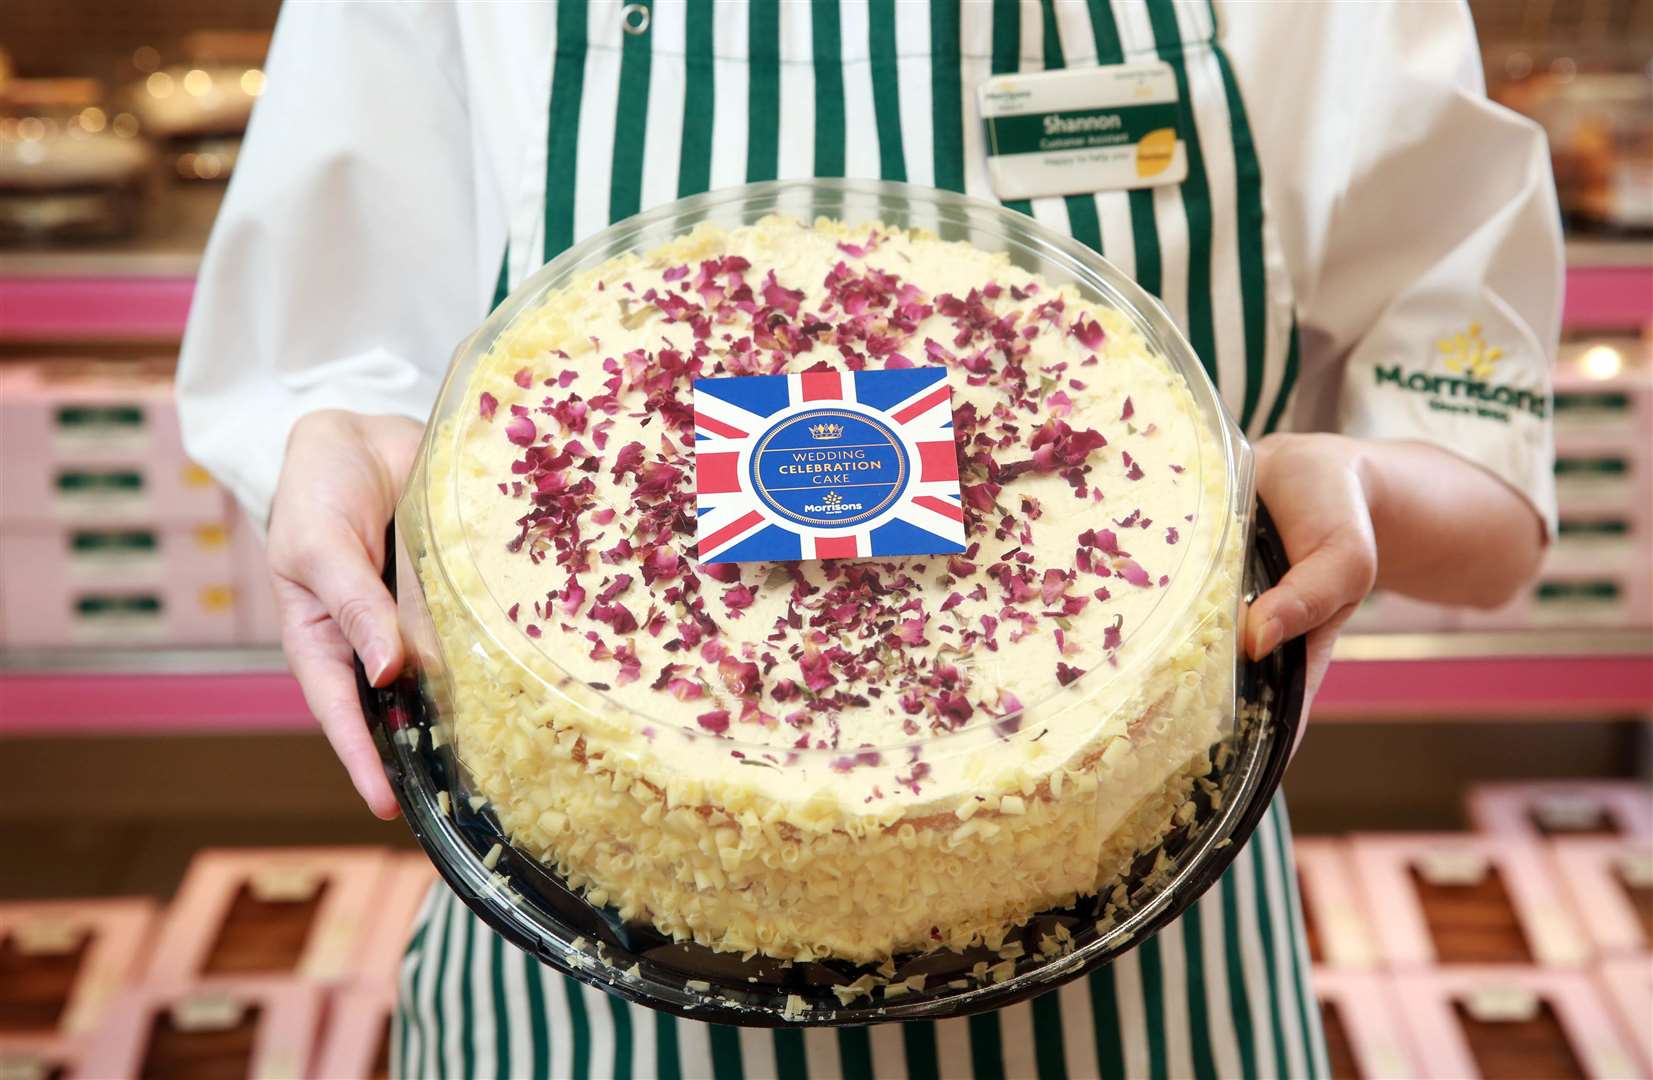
<point>1468,388</point>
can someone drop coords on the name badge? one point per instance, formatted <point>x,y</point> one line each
<point>1083,129</point>
<point>826,465</point>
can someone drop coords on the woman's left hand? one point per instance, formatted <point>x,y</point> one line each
<point>1316,489</point>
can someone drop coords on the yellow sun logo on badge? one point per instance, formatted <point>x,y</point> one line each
<point>832,498</point>
<point>1469,354</point>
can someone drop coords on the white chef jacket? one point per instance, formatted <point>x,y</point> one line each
<point>395,145</point>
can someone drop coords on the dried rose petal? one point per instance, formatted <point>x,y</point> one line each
<point>740,677</point>
<point>629,459</point>
<point>980,496</point>
<point>1132,572</point>
<point>487,404</point>
<point>684,690</point>
<point>1089,332</point>
<point>521,431</point>
<point>1055,583</point>
<point>619,585</point>
<point>617,616</point>
<point>716,721</point>
<point>817,670</point>
<point>954,707</point>
<point>723,573</point>
<point>657,478</point>
<point>523,378</point>
<point>738,598</point>
<point>776,295</point>
<point>937,352</point>
<point>1128,411</point>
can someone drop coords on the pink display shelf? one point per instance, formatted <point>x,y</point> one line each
<point>44,1056</point>
<point>357,1027</point>
<point>1430,1003</point>
<point>1629,985</point>
<point>287,1021</point>
<point>1365,1007</point>
<point>407,882</point>
<point>48,307</point>
<point>1333,904</point>
<point>76,703</point>
<point>1505,687</point>
<point>345,883</point>
<point>1562,809</point>
<point>78,694</point>
<point>116,936</point>
<point>82,308</point>
<point>1608,298</point>
<point>1597,873</point>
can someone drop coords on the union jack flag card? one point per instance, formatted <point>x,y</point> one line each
<point>826,465</point>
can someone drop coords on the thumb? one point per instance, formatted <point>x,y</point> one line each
<point>344,576</point>
<point>1334,576</point>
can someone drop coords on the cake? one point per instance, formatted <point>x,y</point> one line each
<point>848,758</point>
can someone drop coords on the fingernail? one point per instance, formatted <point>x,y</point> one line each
<point>376,659</point>
<point>1268,638</point>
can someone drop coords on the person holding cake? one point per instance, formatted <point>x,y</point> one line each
<point>1343,282</point>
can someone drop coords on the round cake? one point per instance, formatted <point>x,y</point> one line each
<point>849,758</point>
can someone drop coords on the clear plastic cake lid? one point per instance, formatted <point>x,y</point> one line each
<point>777,712</point>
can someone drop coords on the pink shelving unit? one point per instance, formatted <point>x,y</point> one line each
<point>1511,687</point>
<point>94,308</point>
<point>1608,297</point>
<point>81,703</point>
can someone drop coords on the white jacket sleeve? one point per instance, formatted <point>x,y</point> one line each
<point>1440,284</point>
<point>344,264</point>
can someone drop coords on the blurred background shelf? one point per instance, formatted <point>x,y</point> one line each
<point>1536,675</point>
<point>75,692</point>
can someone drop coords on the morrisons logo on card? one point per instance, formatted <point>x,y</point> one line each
<point>1468,389</point>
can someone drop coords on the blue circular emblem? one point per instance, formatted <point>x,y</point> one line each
<point>829,468</point>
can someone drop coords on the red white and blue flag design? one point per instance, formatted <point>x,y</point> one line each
<point>826,465</point>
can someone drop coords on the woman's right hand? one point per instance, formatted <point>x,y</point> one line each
<point>339,483</point>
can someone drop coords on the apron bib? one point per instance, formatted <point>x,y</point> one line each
<point>708,95</point>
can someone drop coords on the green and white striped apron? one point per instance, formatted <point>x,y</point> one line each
<point>711,94</point>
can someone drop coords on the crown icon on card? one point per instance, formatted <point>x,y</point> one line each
<point>826,432</point>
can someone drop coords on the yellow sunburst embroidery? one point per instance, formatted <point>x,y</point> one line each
<point>1469,354</point>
